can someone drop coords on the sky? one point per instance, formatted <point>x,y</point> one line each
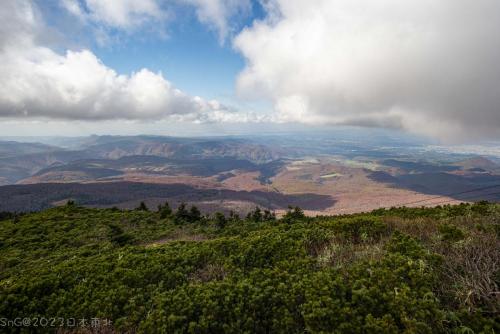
<point>181,67</point>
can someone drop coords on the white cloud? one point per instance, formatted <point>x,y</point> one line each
<point>218,13</point>
<point>73,7</point>
<point>124,14</point>
<point>132,14</point>
<point>40,83</point>
<point>423,65</point>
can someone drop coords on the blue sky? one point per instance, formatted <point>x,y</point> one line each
<point>191,54</point>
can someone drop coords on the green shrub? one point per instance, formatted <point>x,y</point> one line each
<point>179,274</point>
<point>361,229</point>
<point>451,233</point>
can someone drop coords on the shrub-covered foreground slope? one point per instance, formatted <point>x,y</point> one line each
<point>399,270</point>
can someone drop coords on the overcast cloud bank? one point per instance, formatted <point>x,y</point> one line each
<point>427,66</point>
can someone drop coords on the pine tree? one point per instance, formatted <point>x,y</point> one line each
<point>220,220</point>
<point>293,214</point>
<point>233,216</point>
<point>269,216</point>
<point>194,214</point>
<point>256,215</point>
<point>181,215</point>
<point>142,207</point>
<point>164,210</point>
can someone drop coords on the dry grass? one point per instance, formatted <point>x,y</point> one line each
<point>340,255</point>
<point>470,272</point>
<point>210,272</point>
<point>423,229</point>
<point>339,251</point>
<point>177,235</point>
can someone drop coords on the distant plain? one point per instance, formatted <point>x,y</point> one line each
<point>322,173</point>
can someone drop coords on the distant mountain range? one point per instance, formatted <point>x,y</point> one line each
<point>324,174</point>
<point>23,160</point>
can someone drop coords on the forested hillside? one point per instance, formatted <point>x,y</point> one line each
<point>389,271</point>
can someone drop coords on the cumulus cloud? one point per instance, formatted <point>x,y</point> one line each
<point>422,65</point>
<point>38,82</point>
